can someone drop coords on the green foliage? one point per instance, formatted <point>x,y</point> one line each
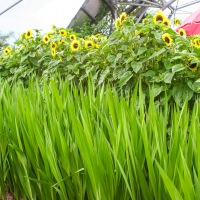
<point>150,51</point>
<point>4,40</point>
<point>61,142</point>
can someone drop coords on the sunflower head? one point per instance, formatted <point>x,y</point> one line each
<point>60,58</point>
<point>9,48</point>
<point>123,17</point>
<point>6,52</point>
<point>28,34</point>
<point>75,45</point>
<point>97,46</point>
<point>46,39</point>
<point>53,52</point>
<point>117,23</point>
<point>166,22</point>
<point>144,20</point>
<point>159,17</point>
<point>72,37</point>
<point>182,32</point>
<point>177,21</point>
<point>53,45</point>
<point>196,43</point>
<point>192,65</point>
<point>89,44</point>
<point>63,33</point>
<point>167,38</point>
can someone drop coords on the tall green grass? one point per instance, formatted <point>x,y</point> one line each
<point>62,142</point>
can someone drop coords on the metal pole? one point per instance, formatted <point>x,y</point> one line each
<point>10,7</point>
<point>168,4</point>
<point>188,4</point>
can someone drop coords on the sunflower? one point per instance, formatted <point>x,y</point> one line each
<point>191,65</point>
<point>89,44</point>
<point>182,32</point>
<point>97,46</point>
<point>6,51</point>
<point>159,17</point>
<point>72,37</point>
<point>46,39</point>
<point>53,45</point>
<point>167,38</point>
<point>60,58</point>
<point>117,23</point>
<point>61,41</point>
<point>123,17</point>
<point>28,34</point>
<point>53,52</point>
<point>177,21</point>
<point>9,48</point>
<point>144,20</point>
<point>75,45</point>
<point>63,33</point>
<point>196,43</point>
<point>166,22</point>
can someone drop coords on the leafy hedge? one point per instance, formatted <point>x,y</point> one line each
<point>150,51</point>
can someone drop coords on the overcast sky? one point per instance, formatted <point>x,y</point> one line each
<point>42,14</point>
<point>37,14</point>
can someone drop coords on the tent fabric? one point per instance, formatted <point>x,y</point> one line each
<point>191,24</point>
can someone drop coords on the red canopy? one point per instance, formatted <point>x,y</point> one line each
<point>192,24</point>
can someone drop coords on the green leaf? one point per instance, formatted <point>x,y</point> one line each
<point>168,77</point>
<point>114,38</point>
<point>181,92</point>
<point>136,66</point>
<point>103,75</point>
<point>157,53</point>
<point>157,89</point>
<point>111,58</point>
<point>177,68</point>
<point>141,50</point>
<point>149,73</point>
<point>171,188</point>
<point>125,77</point>
<point>24,58</point>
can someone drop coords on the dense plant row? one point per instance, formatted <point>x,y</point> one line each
<point>150,51</point>
<point>60,142</point>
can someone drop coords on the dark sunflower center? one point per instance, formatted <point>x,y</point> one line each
<point>46,39</point>
<point>167,40</point>
<point>159,18</point>
<point>75,45</point>
<point>123,18</point>
<point>193,66</point>
<point>53,46</point>
<point>28,33</point>
<point>89,45</point>
<point>181,33</point>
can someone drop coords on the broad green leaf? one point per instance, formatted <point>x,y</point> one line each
<point>125,78</point>
<point>177,68</point>
<point>157,53</point>
<point>181,93</point>
<point>141,50</point>
<point>136,66</point>
<point>103,75</point>
<point>168,77</point>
